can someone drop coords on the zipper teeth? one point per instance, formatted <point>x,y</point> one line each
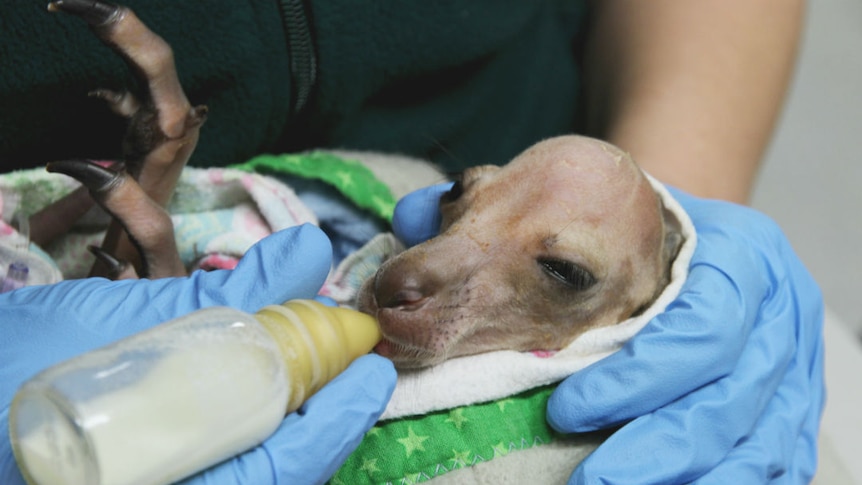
<point>300,48</point>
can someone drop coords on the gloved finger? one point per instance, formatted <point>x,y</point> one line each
<point>289,264</point>
<point>686,438</point>
<point>43,325</point>
<point>9,472</point>
<point>776,450</point>
<point>417,214</point>
<point>774,389</point>
<point>697,340</point>
<point>330,425</point>
<point>699,336</point>
<point>328,301</point>
<point>783,446</point>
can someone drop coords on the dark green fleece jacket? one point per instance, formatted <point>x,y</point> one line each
<point>460,82</point>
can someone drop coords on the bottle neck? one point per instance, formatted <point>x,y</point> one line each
<point>316,342</point>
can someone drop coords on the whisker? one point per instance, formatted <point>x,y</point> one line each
<point>443,148</point>
<point>555,235</point>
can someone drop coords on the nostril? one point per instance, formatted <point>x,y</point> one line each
<point>399,290</point>
<point>404,299</point>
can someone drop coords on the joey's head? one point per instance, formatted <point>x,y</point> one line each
<point>568,236</point>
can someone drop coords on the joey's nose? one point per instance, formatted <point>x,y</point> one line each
<point>399,290</point>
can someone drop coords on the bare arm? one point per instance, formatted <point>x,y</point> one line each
<point>692,89</point>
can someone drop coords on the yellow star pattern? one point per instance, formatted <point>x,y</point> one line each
<point>460,458</point>
<point>503,403</point>
<point>412,479</point>
<point>370,466</point>
<point>345,178</point>
<point>456,417</point>
<point>374,431</point>
<point>500,449</point>
<point>442,442</point>
<point>412,442</point>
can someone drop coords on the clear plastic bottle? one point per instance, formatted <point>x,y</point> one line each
<point>165,403</point>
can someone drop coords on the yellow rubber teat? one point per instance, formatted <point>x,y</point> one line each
<point>317,342</point>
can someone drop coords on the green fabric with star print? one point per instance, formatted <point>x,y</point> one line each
<point>416,449</point>
<point>351,178</point>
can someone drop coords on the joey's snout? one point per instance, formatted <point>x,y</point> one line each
<point>421,307</point>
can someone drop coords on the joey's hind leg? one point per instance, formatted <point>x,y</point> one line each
<point>163,131</point>
<point>147,224</point>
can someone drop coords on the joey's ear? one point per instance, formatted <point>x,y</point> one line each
<point>673,237</point>
<point>672,243</point>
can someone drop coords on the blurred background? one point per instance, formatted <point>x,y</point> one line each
<point>812,180</point>
<point>811,184</point>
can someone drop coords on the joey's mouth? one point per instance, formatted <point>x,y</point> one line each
<point>386,348</point>
<point>406,356</point>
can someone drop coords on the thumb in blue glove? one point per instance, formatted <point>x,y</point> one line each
<point>417,215</point>
<point>45,325</point>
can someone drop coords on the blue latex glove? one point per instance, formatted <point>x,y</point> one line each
<point>726,386</point>
<point>40,326</point>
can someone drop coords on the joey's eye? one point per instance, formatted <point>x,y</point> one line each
<point>454,193</point>
<point>573,275</point>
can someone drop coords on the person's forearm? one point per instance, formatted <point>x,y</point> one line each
<point>692,89</point>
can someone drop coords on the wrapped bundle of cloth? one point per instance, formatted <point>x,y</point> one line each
<point>470,419</point>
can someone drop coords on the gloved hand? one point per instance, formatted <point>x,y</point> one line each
<point>725,386</point>
<point>41,326</point>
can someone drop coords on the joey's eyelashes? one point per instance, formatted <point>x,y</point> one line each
<point>569,273</point>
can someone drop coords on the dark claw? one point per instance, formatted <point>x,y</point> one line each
<point>198,115</point>
<point>94,12</point>
<point>114,266</point>
<point>93,176</point>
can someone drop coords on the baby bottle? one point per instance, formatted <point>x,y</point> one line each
<point>175,399</point>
